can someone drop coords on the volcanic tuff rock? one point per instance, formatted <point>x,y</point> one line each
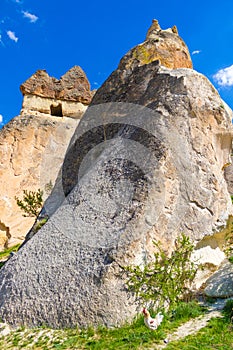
<point>163,45</point>
<point>68,96</point>
<point>145,163</point>
<point>33,145</point>
<point>32,149</point>
<point>72,86</point>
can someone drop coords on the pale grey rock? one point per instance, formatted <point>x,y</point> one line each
<point>220,284</point>
<point>145,163</point>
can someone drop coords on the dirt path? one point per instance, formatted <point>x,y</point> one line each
<point>190,327</point>
<point>194,325</point>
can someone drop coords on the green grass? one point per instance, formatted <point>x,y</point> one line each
<point>6,253</point>
<point>129,336</point>
<point>217,335</point>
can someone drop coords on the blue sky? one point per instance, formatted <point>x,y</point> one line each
<point>56,35</point>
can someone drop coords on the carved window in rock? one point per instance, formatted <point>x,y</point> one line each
<point>56,110</point>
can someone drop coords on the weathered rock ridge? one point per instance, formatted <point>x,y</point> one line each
<point>145,163</point>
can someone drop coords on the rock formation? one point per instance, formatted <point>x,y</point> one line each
<point>68,96</point>
<point>33,145</point>
<point>220,284</point>
<point>145,163</point>
<point>163,45</point>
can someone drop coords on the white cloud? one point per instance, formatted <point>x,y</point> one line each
<point>1,119</point>
<point>12,36</point>
<point>196,52</point>
<point>32,18</point>
<point>224,77</point>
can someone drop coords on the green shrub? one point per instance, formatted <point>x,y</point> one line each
<point>31,203</point>
<point>39,224</point>
<point>167,279</point>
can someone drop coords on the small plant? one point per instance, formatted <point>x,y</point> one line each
<point>167,278</point>
<point>39,224</point>
<point>6,253</point>
<point>31,203</point>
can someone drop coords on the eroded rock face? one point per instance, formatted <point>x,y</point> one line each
<point>67,97</point>
<point>72,86</point>
<point>145,163</point>
<point>229,175</point>
<point>220,284</point>
<point>37,105</point>
<point>32,145</point>
<point>32,149</point>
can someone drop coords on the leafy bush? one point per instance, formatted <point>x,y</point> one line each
<point>39,224</point>
<point>31,203</point>
<point>166,279</point>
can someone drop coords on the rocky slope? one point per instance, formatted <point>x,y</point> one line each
<point>145,163</point>
<point>33,145</point>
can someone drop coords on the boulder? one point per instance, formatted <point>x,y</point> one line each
<point>145,163</point>
<point>220,284</point>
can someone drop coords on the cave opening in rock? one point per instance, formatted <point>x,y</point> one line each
<point>56,110</point>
